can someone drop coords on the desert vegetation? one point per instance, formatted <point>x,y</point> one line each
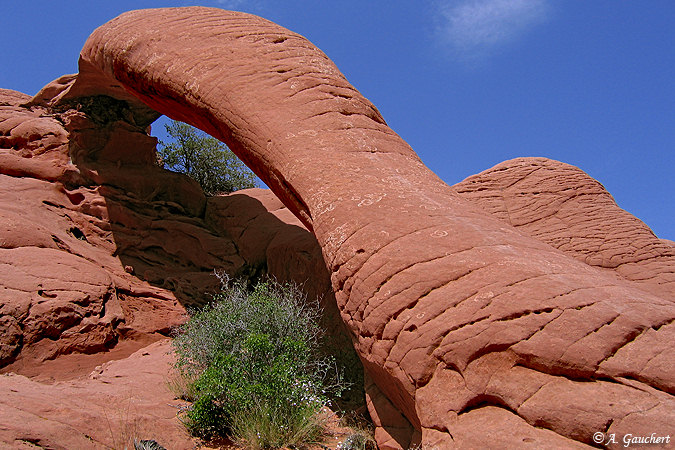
<point>250,364</point>
<point>203,158</point>
<point>251,361</point>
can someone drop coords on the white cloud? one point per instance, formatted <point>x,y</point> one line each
<point>475,27</point>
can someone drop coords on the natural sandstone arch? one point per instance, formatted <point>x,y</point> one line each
<point>461,320</point>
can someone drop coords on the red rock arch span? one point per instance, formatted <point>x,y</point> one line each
<point>472,332</point>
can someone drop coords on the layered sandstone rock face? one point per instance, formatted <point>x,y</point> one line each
<point>564,207</point>
<point>73,238</point>
<point>99,243</point>
<point>101,252</point>
<point>519,307</point>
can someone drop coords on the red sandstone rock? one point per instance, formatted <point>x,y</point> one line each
<point>464,322</point>
<point>91,273</point>
<point>120,399</point>
<point>564,207</point>
<point>75,243</point>
<point>441,297</point>
<point>64,288</point>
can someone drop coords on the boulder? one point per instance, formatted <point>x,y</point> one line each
<point>563,206</point>
<point>117,401</point>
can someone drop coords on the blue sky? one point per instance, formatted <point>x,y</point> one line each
<point>468,83</point>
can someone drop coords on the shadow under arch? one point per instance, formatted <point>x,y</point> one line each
<point>169,234</point>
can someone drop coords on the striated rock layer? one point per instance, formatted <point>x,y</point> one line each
<point>564,207</point>
<point>464,320</point>
<point>101,251</point>
<point>119,400</point>
<point>107,246</point>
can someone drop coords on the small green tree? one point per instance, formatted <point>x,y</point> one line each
<point>203,158</point>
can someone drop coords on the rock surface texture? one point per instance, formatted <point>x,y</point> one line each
<point>520,307</point>
<point>564,207</point>
<point>120,399</point>
<point>99,256</point>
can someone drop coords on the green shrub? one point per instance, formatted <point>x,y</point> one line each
<point>256,370</point>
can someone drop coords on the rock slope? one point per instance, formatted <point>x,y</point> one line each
<point>120,399</point>
<point>564,207</point>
